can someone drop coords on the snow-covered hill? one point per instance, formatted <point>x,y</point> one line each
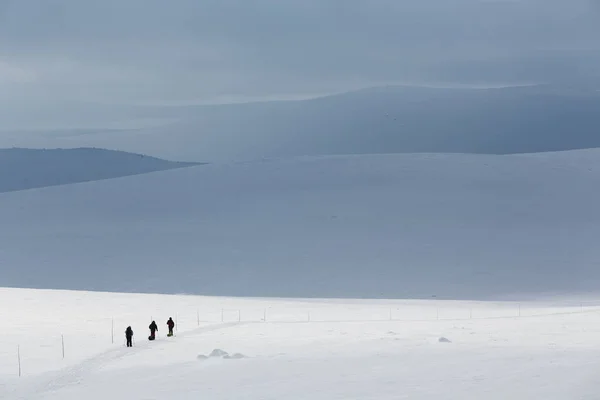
<point>395,119</point>
<point>453,226</point>
<point>28,168</point>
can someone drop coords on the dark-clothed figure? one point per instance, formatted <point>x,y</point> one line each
<point>171,325</point>
<point>129,336</point>
<point>153,328</point>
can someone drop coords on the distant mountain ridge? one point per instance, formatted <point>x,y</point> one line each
<point>393,119</point>
<point>22,169</point>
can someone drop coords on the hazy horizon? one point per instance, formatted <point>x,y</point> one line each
<point>55,55</point>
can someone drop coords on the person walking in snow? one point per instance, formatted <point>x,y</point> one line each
<point>129,336</point>
<point>153,328</point>
<point>171,325</point>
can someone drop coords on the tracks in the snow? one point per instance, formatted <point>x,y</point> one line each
<point>74,374</point>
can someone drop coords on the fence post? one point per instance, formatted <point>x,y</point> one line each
<point>239,315</point>
<point>265,315</point>
<point>471,313</point>
<point>19,358</point>
<point>198,316</point>
<point>62,339</point>
<point>112,331</point>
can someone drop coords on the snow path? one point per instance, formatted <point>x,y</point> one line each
<point>75,374</point>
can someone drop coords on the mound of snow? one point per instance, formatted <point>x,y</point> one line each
<point>236,356</point>
<point>218,353</point>
<point>444,340</point>
<point>27,168</point>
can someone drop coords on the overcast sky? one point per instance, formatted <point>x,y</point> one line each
<point>157,51</point>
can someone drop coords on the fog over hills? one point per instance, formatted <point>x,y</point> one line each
<point>394,119</point>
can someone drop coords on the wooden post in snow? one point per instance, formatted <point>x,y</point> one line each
<point>19,358</point>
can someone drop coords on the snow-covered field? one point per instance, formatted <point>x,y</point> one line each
<point>306,349</point>
<point>385,226</point>
<point>439,231</point>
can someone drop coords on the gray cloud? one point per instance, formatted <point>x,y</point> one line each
<point>152,51</point>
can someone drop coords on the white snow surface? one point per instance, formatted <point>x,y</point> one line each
<point>306,349</point>
<point>385,226</point>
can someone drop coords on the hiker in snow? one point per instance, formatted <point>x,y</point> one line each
<point>170,324</point>
<point>153,328</point>
<point>129,336</point>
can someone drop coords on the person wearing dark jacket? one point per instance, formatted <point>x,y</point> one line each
<point>129,336</point>
<point>171,325</point>
<point>153,328</point>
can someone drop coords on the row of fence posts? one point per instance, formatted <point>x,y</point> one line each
<point>112,332</point>
<point>62,338</point>
<point>265,318</point>
<point>437,317</point>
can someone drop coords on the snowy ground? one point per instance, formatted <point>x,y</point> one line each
<point>385,226</point>
<point>306,349</point>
